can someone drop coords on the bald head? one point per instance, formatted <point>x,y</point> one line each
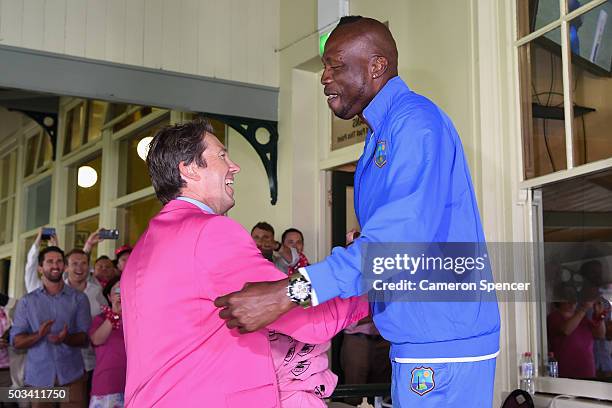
<point>360,57</point>
<point>372,34</point>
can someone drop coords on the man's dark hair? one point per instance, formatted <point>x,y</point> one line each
<point>76,251</point>
<point>102,257</point>
<point>263,226</point>
<point>108,287</point>
<point>170,146</point>
<point>41,254</point>
<point>349,20</point>
<point>290,230</point>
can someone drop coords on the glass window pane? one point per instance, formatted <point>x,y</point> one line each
<point>134,154</point>
<point>117,109</point>
<point>30,155</point>
<point>134,219</point>
<point>4,221</point>
<point>574,4</point>
<point>46,151</point>
<point>8,174</point>
<point>132,118</point>
<point>87,180</point>
<point>96,112</point>
<point>543,126</point>
<point>38,198</point>
<point>535,14</point>
<point>13,170</point>
<point>10,216</point>
<point>5,171</point>
<point>77,234</point>
<point>5,267</point>
<point>578,261</point>
<point>219,129</point>
<point>591,39</point>
<point>72,128</point>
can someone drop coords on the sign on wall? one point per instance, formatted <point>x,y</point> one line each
<point>347,132</point>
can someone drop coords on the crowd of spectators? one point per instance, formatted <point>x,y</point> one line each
<point>67,330</point>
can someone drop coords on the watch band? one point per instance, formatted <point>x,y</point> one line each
<point>298,290</point>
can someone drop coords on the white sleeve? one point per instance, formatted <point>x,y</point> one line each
<point>313,295</point>
<point>32,281</point>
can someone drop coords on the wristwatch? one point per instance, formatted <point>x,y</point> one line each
<point>298,290</point>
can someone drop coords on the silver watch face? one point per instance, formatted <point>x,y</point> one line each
<point>300,290</point>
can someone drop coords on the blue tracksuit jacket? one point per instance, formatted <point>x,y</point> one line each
<point>417,189</point>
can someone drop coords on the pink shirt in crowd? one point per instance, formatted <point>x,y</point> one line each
<point>109,375</point>
<point>302,371</point>
<point>4,326</point>
<point>574,352</point>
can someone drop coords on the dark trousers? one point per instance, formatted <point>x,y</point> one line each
<point>77,392</point>
<point>5,381</point>
<point>365,360</point>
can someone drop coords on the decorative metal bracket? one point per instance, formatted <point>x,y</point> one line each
<point>267,152</point>
<point>48,121</point>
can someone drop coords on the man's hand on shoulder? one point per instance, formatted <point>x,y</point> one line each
<point>255,306</point>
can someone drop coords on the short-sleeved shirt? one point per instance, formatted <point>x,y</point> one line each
<point>47,362</point>
<point>111,361</point>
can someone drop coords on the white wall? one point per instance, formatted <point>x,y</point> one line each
<point>298,199</point>
<point>252,192</point>
<point>230,39</point>
<point>298,183</point>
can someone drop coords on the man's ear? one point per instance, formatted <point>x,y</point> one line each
<point>378,66</point>
<point>188,171</point>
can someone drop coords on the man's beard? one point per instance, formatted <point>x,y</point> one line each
<point>53,279</point>
<point>347,108</point>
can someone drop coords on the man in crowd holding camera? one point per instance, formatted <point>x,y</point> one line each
<point>51,322</point>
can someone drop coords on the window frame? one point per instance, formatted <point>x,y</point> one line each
<point>10,199</point>
<point>84,127</point>
<point>563,22</point>
<point>535,312</point>
<point>39,134</point>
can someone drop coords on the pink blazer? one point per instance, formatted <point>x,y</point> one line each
<point>179,352</point>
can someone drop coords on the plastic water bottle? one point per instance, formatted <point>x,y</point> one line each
<point>553,365</point>
<point>526,369</point>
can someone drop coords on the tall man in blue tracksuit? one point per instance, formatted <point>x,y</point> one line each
<point>412,185</point>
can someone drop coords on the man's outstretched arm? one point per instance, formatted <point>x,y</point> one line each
<point>314,325</point>
<point>411,212</point>
<point>269,299</point>
<point>232,260</point>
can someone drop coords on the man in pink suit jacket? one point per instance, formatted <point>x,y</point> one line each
<point>180,352</point>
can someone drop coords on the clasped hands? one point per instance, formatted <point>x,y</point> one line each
<point>45,330</point>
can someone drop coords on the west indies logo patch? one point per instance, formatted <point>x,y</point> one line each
<point>380,158</point>
<point>422,380</point>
